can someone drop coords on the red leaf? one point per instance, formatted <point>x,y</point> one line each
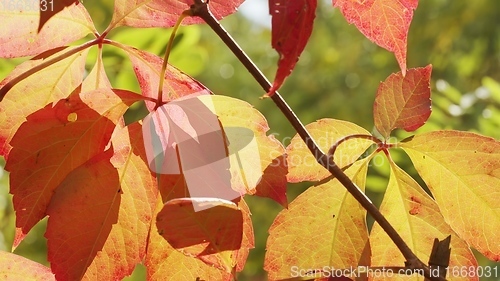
<point>292,23</point>
<point>211,234</point>
<point>164,13</point>
<point>385,22</point>
<point>126,244</point>
<point>14,267</point>
<point>49,8</point>
<point>53,142</point>
<point>90,196</point>
<point>403,101</point>
<point>273,184</point>
<point>147,68</point>
<point>19,36</point>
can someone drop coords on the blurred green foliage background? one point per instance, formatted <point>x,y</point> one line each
<point>336,77</point>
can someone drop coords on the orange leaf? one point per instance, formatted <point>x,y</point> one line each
<point>418,220</point>
<point>403,102</point>
<point>125,246</point>
<point>163,262</point>
<point>385,22</point>
<point>323,227</point>
<point>53,142</point>
<point>211,234</point>
<point>14,267</point>
<point>292,23</point>
<point>164,13</point>
<point>462,170</point>
<point>33,93</point>
<point>19,36</point>
<point>81,214</point>
<point>302,165</point>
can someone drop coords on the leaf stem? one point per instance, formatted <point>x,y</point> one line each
<point>9,85</point>
<point>170,44</point>
<point>201,9</point>
<point>331,152</point>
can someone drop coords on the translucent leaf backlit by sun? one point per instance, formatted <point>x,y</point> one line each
<point>161,258</point>
<point>418,221</point>
<point>91,196</point>
<point>15,267</point>
<point>292,24</point>
<point>53,142</point>
<point>48,9</point>
<point>178,133</point>
<point>211,234</point>
<point>323,227</point>
<point>385,22</point>
<point>302,165</point>
<point>164,13</point>
<point>147,68</point>
<point>403,102</point>
<point>462,170</point>
<point>125,244</point>
<point>33,93</point>
<point>19,36</point>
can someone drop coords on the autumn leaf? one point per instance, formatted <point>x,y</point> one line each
<point>403,101</point>
<point>126,243</point>
<point>14,267</point>
<point>418,221</point>
<point>97,78</point>
<point>53,142</point>
<point>385,22</point>
<point>164,262</point>
<point>292,24</point>
<point>461,170</point>
<point>49,9</point>
<point>158,13</point>
<point>211,234</point>
<point>90,195</point>
<point>234,113</point>
<point>110,199</point>
<point>178,133</point>
<point>19,36</point>
<point>56,82</point>
<point>302,165</point>
<point>323,227</point>
<point>147,68</point>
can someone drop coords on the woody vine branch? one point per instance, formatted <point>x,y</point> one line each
<point>201,9</point>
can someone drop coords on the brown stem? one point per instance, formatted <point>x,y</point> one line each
<point>200,9</point>
<point>331,152</point>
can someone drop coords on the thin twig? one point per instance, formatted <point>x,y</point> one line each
<point>200,9</point>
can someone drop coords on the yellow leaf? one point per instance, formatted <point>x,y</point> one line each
<point>462,170</point>
<point>418,220</point>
